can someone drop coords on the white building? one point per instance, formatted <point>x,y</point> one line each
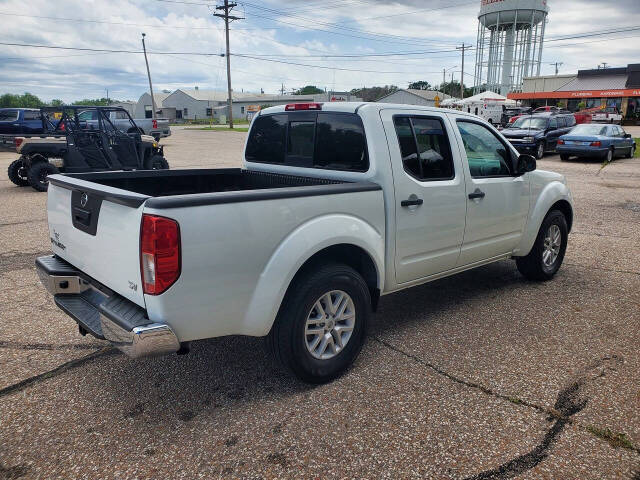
<point>144,108</point>
<point>128,105</point>
<point>409,96</point>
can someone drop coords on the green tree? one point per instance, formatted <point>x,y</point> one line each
<point>371,94</point>
<point>420,85</point>
<point>26,100</point>
<point>56,102</point>
<point>453,89</point>
<point>97,102</point>
<point>308,90</point>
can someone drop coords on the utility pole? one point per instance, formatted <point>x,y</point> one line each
<point>227,7</point>
<point>463,48</point>
<point>282,89</point>
<point>557,64</point>
<point>153,100</point>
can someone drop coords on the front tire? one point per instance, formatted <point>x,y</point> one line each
<point>17,173</point>
<point>322,322</point>
<point>632,152</point>
<point>564,157</point>
<point>540,150</point>
<point>546,256</point>
<point>38,174</point>
<point>156,162</point>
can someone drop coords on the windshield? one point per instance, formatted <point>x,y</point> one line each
<point>8,115</point>
<point>589,129</point>
<point>534,123</point>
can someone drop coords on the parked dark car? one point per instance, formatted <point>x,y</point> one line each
<point>538,133</point>
<point>596,141</point>
<point>20,121</point>
<point>509,112</point>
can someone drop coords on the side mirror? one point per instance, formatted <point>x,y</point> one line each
<point>627,135</point>
<point>526,163</point>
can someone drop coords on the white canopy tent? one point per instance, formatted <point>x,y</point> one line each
<point>488,96</point>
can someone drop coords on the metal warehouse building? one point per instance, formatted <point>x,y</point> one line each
<point>410,96</point>
<point>609,87</point>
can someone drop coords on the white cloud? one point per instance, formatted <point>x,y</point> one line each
<point>174,27</point>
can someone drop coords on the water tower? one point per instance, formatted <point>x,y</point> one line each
<point>510,38</point>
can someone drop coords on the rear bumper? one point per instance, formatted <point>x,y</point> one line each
<point>582,151</point>
<point>103,313</point>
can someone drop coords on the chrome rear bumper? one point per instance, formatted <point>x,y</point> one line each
<point>103,313</point>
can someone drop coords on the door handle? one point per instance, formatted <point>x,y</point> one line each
<point>476,194</point>
<point>414,201</point>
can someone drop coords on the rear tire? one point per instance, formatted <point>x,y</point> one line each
<point>17,173</point>
<point>546,255</point>
<point>301,323</point>
<point>608,158</point>
<point>564,157</point>
<point>38,174</point>
<point>156,162</point>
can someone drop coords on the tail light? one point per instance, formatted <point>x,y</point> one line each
<point>159,253</point>
<point>18,141</point>
<point>560,142</point>
<point>596,144</point>
<point>303,106</point>
<point>154,123</point>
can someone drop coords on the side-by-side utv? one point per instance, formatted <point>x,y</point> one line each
<point>90,143</point>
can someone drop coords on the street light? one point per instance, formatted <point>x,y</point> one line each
<point>444,79</point>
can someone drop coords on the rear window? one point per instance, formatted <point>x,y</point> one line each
<point>8,115</point>
<point>32,114</point>
<point>326,140</point>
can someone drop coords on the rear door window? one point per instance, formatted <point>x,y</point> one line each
<point>32,115</point>
<point>424,146</point>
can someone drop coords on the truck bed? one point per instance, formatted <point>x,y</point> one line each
<point>178,188</point>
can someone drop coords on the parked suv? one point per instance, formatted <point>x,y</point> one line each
<point>538,133</point>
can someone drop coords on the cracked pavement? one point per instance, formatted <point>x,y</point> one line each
<point>479,376</point>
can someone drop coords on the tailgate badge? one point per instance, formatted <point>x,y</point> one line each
<point>133,286</point>
<point>84,199</point>
<point>56,241</point>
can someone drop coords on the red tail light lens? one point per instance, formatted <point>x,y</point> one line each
<point>159,253</point>
<point>596,144</point>
<point>18,141</point>
<point>154,123</point>
<point>560,142</point>
<point>303,106</point>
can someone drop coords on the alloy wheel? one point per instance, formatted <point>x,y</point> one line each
<point>552,244</point>
<point>330,324</point>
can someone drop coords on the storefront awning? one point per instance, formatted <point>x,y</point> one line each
<point>628,92</point>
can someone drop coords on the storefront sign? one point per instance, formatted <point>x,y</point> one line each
<point>575,94</point>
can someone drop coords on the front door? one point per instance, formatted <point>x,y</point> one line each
<point>497,201</point>
<point>430,200</point>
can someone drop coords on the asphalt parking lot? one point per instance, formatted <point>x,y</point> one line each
<point>482,375</point>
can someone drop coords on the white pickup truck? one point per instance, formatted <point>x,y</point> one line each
<point>607,115</point>
<point>336,205</point>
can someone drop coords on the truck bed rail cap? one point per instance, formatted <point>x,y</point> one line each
<point>111,194</point>
<point>217,198</point>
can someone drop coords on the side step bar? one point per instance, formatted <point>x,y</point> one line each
<point>103,313</point>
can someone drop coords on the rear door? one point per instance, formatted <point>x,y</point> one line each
<point>96,229</point>
<point>497,202</point>
<point>32,122</point>
<point>429,193</point>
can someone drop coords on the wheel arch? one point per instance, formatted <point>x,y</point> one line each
<point>555,195</point>
<point>336,238</point>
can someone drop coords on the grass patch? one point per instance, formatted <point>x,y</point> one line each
<point>637,154</point>
<point>616,440</point>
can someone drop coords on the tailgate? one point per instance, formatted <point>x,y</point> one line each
<point>96,229</point>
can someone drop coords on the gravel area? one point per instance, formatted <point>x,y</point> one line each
<point>478,376</point>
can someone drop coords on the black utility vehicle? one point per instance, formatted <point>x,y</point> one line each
<point>538,133</point>
<point>87,146</point>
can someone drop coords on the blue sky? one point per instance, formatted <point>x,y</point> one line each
<point>297,32</point>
